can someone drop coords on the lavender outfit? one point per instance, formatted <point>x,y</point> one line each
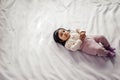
<point>90,45</point>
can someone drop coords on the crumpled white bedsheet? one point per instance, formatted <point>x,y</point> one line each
<point>27,48</point>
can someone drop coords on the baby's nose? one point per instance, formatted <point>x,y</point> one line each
<point>66,32</point>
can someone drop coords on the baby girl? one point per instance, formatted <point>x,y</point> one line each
<point>78,40</point>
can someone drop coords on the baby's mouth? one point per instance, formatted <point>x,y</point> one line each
<point>66,34</point>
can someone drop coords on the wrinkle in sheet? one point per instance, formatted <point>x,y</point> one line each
<point>29,52</point>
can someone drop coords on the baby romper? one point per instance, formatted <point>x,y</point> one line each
<point>91,45</point>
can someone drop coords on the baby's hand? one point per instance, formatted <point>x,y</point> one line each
<point>82,35</point>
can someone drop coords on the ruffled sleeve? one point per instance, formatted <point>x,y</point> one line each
<point>73,45</point>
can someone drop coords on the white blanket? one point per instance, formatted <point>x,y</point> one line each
<point>27,48</point>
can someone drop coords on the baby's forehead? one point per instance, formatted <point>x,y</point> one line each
<point>61,30</point>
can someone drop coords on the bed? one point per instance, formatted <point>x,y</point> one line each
<point>27,48</point>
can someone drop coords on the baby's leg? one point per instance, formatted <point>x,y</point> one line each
<point>101,39</point>
<point>103,52</point>
<point>91,47</point>
<point>97,50</point>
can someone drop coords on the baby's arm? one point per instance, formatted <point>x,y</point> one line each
<point>79,31</point>
<point>82,34</point>
<point>74,46</point>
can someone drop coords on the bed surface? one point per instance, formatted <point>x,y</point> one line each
<point>27,48</point>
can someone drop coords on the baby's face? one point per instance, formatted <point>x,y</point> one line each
<point>63,34</point>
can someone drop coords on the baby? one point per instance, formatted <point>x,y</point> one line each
<point>78,40</point>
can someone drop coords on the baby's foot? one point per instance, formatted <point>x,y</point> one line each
<point>110,54</point>
<point>110,49</point>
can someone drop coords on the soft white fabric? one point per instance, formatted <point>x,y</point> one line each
<point>74,42</point>
<point>27,48</point>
